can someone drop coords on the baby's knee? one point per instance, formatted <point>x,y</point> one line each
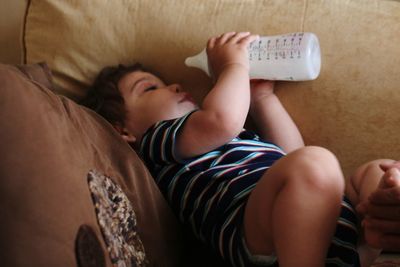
<point>318,160</point>
<point>316,153</point>
<point>319,168</point>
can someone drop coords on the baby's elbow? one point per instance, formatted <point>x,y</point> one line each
<point>234,128</point>
<point>228,127</point>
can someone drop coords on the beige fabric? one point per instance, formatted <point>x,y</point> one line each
<point>352,108</point>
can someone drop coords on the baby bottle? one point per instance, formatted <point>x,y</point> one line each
<point>287,57</point>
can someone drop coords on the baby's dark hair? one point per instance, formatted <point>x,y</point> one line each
<point>104,96</point>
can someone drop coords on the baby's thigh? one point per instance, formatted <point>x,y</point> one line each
<point>312,167</point>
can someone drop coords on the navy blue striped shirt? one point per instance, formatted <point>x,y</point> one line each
<point>209,192</point>
<point>208,188</point>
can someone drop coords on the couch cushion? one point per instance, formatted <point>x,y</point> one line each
<point>351,108</point>
<point>12,19</point>
<point>39,73</point>
<point>49,146</point>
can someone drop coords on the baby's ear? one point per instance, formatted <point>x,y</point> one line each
<point>129,138</point>
<point>125,134</point>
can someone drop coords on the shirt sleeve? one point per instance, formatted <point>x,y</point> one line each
<point>158,143</point>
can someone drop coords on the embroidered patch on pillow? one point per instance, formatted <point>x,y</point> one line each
<point>117,221</point>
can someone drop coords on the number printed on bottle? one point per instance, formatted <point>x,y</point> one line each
<point>287,57</point>
<point>276,47</point>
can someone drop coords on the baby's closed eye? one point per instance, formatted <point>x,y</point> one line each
<point>153,87</point>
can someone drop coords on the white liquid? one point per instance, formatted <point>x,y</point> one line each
<point>288,57</point>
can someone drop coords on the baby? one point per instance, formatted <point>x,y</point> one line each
<point>255,199</point>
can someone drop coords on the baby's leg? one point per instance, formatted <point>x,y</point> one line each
<point>294,208</point>
<point>358,188</point>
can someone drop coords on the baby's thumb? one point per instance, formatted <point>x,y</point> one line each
<point>385,166</point>
<point>391,178</point>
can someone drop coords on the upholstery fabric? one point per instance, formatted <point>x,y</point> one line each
<point>351,109</point>
<point>49,145</point>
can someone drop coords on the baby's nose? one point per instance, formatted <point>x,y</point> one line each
<point>176,88</point>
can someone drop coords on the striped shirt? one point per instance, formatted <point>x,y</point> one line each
<point>206,191</point>
<point>209,192</point>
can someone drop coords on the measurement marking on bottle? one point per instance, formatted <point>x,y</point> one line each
<point>283,47</point>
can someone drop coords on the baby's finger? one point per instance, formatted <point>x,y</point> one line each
<point>256,81</point>
<point>384,166</point>
<point>389,212</point>
<point>387,196</point>
<point>249,39</point>
<point>211,42</point>
<point>384,226</point>
<point>239,36</point>
<point>392,177</point>
<point>387,165</point>
<point>225,37</point>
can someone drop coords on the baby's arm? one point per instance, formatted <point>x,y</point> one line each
<point>225,108</point>
<point>271,118</point>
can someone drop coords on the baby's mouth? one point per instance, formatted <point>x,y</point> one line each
<point>187,97</point>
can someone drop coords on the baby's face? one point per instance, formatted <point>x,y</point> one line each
<point>148,100</point>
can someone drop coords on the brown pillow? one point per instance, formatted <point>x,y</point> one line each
<point>49,145</point>
<point>39,72</point>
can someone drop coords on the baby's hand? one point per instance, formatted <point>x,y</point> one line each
<point>227,50</point>
<point>381,210</point>
<point>261,89</point>
<point>391,173</point>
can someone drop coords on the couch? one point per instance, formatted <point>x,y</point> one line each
<point>57,155</point>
